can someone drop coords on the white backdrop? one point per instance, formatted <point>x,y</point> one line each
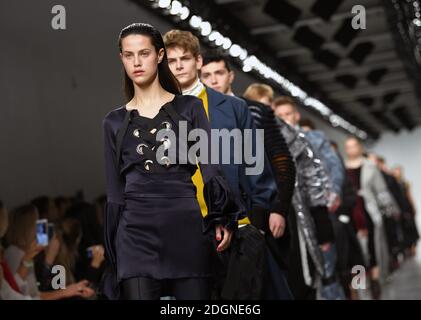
<point>404,149</point>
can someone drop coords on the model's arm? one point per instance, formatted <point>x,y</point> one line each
<point>115,187</point>
<point>257,178</point>
<point>282,162</point>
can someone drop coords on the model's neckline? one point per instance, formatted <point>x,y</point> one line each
<point>159,111</point>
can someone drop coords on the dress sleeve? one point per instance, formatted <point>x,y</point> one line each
<point>223,207</point>
<point>113,206</point>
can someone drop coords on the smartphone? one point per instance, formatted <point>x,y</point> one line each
<point>42,232</point>
<point>89,252</point>
<point>50,230</point>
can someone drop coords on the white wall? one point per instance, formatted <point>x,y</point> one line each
<point>404,149</point>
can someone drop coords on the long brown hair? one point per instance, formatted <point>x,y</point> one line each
<point>69,233</point>
<point>166,78</point>
<point>22,226</point>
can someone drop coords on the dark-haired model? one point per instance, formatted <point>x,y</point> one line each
<point>155,236</point>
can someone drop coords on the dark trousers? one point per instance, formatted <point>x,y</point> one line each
<point>141,288</point>
<point>275,280</point>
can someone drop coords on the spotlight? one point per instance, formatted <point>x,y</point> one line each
<point>175,7</point>
<point>235,50</point>
<point>184,14</point>
<point>243,54</point>
<point>164,3</point>
<point>206,28</point>
<point>195,22</point>
<point>219,40</point>
<point>227,43</point>
<point>246,68</point>
<point>213,36</point>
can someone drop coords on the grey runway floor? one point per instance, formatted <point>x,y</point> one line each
<point>405,283</point>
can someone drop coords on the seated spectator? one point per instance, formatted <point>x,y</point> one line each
<point>77,264</point>
<point>8,288</point>
<point>21,252</point>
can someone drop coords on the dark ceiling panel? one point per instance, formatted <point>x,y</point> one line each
<point>403,115</point>
<point>325,9</point>
<point>347,80</point>
<point>308,38</point>
<point>376,75</point>
<point>346,33</point>
<point>385,119</point>
<point>390,97</point>
<point>366,101</point>
<point>283,11</point>
<point>361,51</point>
<point>327,57</point>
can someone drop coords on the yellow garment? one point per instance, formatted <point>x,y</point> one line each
<point>197,177</point>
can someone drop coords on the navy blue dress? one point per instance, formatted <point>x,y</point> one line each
<point>153,223</point>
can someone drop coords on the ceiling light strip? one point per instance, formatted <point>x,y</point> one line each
<point>251,62</point>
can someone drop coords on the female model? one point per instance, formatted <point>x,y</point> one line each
<point>153,223</point>
<point>373,203</point>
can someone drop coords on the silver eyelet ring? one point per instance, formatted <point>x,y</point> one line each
<point>139,148</point>
<point>167,125</point>
<point>136,133</point>
<point>166,142</point>
<point>146,164</point>
<point>165,161</point>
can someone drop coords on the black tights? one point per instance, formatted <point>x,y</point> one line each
<point>141,288</point>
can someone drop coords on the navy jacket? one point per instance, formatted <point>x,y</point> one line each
<point>229,112</point>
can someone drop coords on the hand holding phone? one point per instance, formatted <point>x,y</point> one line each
<point>96,254</point>
<point>32,251</point>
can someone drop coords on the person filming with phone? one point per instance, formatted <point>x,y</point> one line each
<point>22,252</point>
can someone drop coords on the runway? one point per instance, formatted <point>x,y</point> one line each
<point>405,284</point>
